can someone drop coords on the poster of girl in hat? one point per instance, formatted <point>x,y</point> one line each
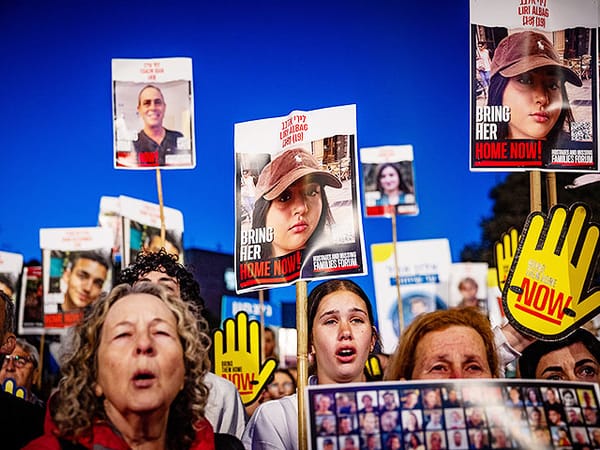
<point>534,96</point>
<point>298,213</point>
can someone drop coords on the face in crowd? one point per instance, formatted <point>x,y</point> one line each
<point>341,333</point>
<point>84,281</point>
<point>20,365</point>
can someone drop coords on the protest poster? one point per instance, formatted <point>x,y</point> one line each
<point>271,312</point>
<point>76,270</point>
<point>141,227</point>
<point>468,285</point>
<point>153,113</point>
<point>534,95</point>
<point>109,217</point>
<point>11,266</point>
<point>424,273</point>
<point>454,415</point>
<point>31,302</point>
<point>298,213</point>
<point>388,180</point>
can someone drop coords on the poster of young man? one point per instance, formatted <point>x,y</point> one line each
<point>11,266</point>
<point>141,229</point>
<point>423,271</point>
<point>31,302</point>
<point>481,416</point>
<point>153,113</point>
<point>468,286</point>
<point>76,270</point>
<point>297,198</point>
<point>534,96</point>
<point>388,177</point>
<point>109,217</point>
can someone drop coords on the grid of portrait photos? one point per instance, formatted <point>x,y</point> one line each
<point>474,414</point>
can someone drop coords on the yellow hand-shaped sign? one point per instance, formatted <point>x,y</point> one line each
<point>505,252</point>
<point>547,293</point>
<point>10,387</point>
<point>238,356</point>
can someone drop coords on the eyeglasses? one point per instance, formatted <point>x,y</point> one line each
<point>288,386</point>
<point>19,361</point>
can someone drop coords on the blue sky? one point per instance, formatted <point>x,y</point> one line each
<point>404,64</point>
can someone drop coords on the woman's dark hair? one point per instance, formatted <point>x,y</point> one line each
<point>261,208</point>
<point>328,287</point>
<point>496,89</point>
<point>531,356</point>
<point>402,185</point>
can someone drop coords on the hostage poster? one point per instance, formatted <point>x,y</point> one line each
<point>76,271</point>
<point>153,113</point>
<point>424,268</point>
<point>534,85</point>
<point>389,184</point>
<point>298,213</point>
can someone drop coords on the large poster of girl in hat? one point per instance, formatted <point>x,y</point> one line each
<point>534,96</point>
<point>297,198</point>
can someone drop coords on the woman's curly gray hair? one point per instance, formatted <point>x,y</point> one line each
<point>75,407</point>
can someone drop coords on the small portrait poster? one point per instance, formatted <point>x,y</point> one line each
<point>76,271</point>
<point>534,92</point>
<point>141,229</point>
<point>31,302</point>
<point>153,113</point>
<point>389,180</point>
<point>298,213</point>
<point>109,217</point>
<point>424,274</point>
<point>11,266</point>
<point>481,416</point>
<point>468,285</point>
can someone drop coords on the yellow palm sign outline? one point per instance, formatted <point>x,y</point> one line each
<point>238,356</point>
<point>547,292</point>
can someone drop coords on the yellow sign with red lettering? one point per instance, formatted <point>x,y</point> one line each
<point>238,356</point>
<point>548,293</point>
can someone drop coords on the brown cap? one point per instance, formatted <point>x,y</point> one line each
<point>528,50</point>
<point>288,167</point>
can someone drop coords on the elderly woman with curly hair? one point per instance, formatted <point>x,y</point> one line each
<point>134,377</point>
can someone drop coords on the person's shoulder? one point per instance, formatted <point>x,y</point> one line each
<point>214,381</point>
<point>173,133</point>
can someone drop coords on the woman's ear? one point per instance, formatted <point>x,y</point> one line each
<point>10,341</point>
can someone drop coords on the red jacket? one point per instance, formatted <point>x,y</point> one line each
<point>104,437</point>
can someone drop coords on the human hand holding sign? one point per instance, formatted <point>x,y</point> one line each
<point>505,252</point>
<point>238,356</point>
<point>547,292</point>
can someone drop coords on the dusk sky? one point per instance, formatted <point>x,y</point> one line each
<point>404,64</point>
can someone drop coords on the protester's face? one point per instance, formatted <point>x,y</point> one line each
<point>389,180</point>
<point>140,357</point>
<point>535,101</point>
<point>162,278</point>
<point>84,282</point>
<point>23,376</point>
<point>282,385</point>
<point>574,363</point>
<point>294,216</point>
<point>268,344</point>
<point>152,107</point>
<point>454,352</point>
<point>342,337</point>
<point>156,244</point>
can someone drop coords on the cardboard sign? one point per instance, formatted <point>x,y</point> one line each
<point>547,293</point>
<point>238,356</point>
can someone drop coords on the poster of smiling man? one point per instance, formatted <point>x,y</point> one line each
<point>153,113</point>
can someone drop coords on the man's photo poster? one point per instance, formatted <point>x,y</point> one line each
<point>153,113</point>
<point>534,85</point>
<point>77,269</point>
<point>297,198</point>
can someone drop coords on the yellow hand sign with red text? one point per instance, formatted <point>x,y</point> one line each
<point>547,293</point>
<point>505,253</point>
<point>238,356</point>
